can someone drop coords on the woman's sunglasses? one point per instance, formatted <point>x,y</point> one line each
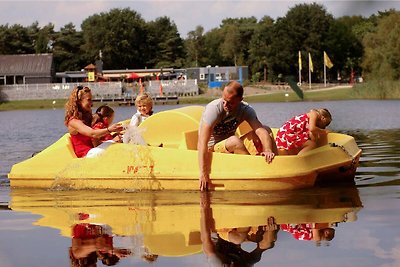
<point>80,87</point>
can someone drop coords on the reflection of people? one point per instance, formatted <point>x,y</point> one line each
<point>91,242</point>
<point>303,132</point>
<point>227,250</point>
<point>307,231</point>
<point>78,119</point>
<point>218,125</point>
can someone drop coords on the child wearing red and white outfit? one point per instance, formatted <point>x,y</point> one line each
<point>303,132</point>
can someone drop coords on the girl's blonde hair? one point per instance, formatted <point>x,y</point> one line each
<point>144,98</point>
<point>73,110</point>
<point>102,112</point>
<point>325,113</point>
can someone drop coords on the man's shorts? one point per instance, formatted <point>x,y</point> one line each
<point>250,141</point>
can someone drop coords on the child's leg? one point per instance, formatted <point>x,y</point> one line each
<point>307,146</point>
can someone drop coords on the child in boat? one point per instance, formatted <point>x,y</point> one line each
<point>303,132</point>
<point>144,106</point>
<point>103,117</point>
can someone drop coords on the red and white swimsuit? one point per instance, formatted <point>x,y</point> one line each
<point>294,133</point>
<point>299,231</point>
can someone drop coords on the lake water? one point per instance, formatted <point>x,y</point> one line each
<point>164,228</point>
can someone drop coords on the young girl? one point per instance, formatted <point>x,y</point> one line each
<point>78,118</point>
<point>303,132</point>
<point>144,106</point>
<point>103,117</point>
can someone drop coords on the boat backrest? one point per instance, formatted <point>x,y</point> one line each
<point>189,140</point>
<point>168,127</point>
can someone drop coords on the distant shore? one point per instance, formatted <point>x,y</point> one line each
<point>253,94</point>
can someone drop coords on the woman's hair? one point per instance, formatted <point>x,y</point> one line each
<point>144,98</point>
<point>89,261</point>
<point>73,110</point>
<point>102,112</point>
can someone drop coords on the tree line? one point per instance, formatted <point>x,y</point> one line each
<point>366,46</point>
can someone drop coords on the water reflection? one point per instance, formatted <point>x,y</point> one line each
<point>236,227</point>
<point>92,242</point>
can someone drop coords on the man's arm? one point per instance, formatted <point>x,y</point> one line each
<point>204,155</point>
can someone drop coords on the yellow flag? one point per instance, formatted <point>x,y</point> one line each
<point>310,65</point>
<point>91,76</point>
<point>327,61</point>
<point>300,67</point>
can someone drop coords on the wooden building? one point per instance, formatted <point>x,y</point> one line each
<point>26,69</point>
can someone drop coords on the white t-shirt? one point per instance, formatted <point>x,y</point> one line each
<point>137,119</point>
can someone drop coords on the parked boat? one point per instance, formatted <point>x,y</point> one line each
<point>170,161</point>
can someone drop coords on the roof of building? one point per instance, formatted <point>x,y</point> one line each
<point>30,64</point>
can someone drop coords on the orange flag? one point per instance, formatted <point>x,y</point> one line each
<point>141,90</point>
<point>161,89</point>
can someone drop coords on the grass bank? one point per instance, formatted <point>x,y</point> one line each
<point>286,96</point>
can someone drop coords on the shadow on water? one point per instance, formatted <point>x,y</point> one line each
<point>225,226</point>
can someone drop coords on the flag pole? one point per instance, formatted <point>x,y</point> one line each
<point>324,72</point>
<point>300,67</point>
<point>309,70</point>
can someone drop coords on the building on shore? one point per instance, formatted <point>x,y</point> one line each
<point>26,69</point>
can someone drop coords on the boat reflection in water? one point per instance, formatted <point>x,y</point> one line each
<point>178,224</point>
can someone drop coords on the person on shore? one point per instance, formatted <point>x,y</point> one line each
<point>218,125</point>
<point>303,132</point>
<point>78,120</point>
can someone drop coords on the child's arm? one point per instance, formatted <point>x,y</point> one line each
<point>314,129</point>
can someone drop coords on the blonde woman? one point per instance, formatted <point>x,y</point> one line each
<point>78,120</point>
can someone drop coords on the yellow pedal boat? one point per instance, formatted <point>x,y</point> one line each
<point>170,161</point>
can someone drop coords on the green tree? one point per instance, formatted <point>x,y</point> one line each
<point>67,49</point>
<point>304,28</point>
<point>212,43</point>
<point>259,45</point>
<point>121,36</point>
<point>15,39</point>
<point>238,33</point>
<point>382,48</point>
<point>166,43</point>
<point>195,47</point>
<point>343,46</point>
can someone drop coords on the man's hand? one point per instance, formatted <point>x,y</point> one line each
<point>204,182</point>
<point>269,156</point>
